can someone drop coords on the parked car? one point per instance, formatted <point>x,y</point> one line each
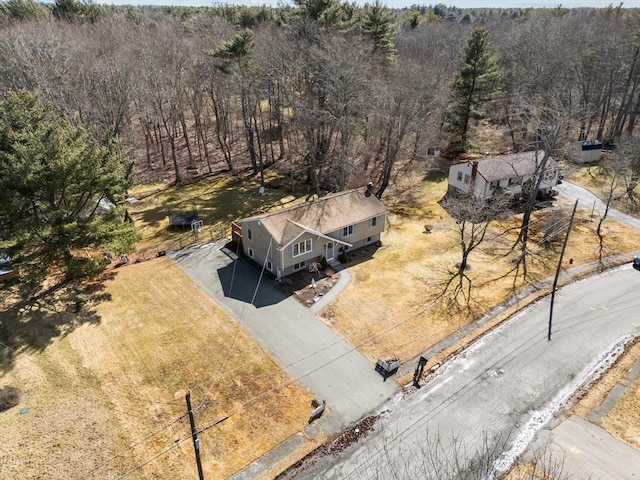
<point>636,263</point>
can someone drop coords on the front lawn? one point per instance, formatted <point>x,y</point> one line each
<point>108,395</point>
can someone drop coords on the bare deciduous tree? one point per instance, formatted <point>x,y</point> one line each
<point>473,217</point>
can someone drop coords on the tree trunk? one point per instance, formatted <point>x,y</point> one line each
<point>185,135</point>
<point>222,128</point>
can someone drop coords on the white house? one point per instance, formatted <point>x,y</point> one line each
<point>483,177</point>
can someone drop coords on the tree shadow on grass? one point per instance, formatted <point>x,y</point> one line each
<point>31,320</point>
<point>436,175</point>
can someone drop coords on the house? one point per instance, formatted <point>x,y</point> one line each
<point>291,239</point>
<point>485,176</point>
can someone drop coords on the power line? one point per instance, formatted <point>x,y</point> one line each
<point>239,322</point>
<point>140,442</point>
<point>353,348</point>
<point>156,455</point>
<point>392,327</point>
<point>256,398</point>
<point>264,394</point>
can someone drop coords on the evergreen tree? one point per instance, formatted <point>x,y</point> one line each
<point>23,10</point>
<point>476,82</point>
<point>379,22</point>
<point>324,12</point>
<point>55,182</point>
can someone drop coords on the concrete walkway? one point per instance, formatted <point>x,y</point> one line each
<point>588,451</point>
<point>315,356</point>
<point>308,349</point>
<point>330,296</point>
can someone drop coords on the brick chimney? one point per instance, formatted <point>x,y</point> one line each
<point>474,171</point>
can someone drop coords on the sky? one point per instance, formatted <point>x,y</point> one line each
<point>401,3</point>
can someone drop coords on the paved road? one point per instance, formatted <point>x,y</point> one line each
<point>589,200</point>
<point>308,349</point>
<point>509,384</point>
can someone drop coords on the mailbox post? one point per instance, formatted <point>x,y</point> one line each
<point>418,372</point>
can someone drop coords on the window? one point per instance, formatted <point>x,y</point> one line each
<point>299,266</point>
<point>369,239</point>
<point>249,234</point>
<point>466,178</point>
<point>251,252</point>
<point>269,266</point>
<point>374,221</point>
<point>459,176</point>
<point>301,248</point>
<point>493,185</point>
<point>346,231</point>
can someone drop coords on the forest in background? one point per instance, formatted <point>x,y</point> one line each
<point>328,93</point>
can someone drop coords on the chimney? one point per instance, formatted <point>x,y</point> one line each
<point>474,171</point>
<point>369,189</point>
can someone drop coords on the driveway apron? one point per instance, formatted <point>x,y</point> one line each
<point>315,356</point>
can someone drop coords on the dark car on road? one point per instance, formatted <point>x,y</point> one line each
<point>636,263</point>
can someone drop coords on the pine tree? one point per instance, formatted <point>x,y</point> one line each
<point>477,81</point>
<point>379,22</point>
<point>55,179</point>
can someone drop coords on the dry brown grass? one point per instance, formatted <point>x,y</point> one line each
<point>116,386</point>
<point>217,200</point>
<point>623,420</point>
<point>527,472</point>
<point>597,178</point>
<point>404,278</point>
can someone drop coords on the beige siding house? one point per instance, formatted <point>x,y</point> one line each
<point>485,176</point>
<point>291,239</point>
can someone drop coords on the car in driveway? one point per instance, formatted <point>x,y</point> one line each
<point>636,263</point>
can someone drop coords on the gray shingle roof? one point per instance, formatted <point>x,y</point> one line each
<point>517,165</point>
<point>326,214</point>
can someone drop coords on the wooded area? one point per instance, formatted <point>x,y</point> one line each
<point>329,93</point>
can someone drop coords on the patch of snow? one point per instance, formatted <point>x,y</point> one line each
<point>540,417</point>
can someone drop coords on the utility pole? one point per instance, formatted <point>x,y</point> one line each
<point>194,434</point>
<point>555,280</point>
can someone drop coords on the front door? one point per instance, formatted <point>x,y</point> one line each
<point>329,254</point>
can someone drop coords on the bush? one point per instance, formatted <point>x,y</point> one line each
<point>342,258</point>
<point>324,264</point>
<point>9,397</point>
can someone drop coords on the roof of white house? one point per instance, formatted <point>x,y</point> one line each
<point>323,215</point>
<point>516,165</point>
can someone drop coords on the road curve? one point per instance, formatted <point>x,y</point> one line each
<point>508,384</point>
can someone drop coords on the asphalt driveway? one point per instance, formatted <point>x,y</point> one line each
<point>319,359</point>
<point>590,200</point>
